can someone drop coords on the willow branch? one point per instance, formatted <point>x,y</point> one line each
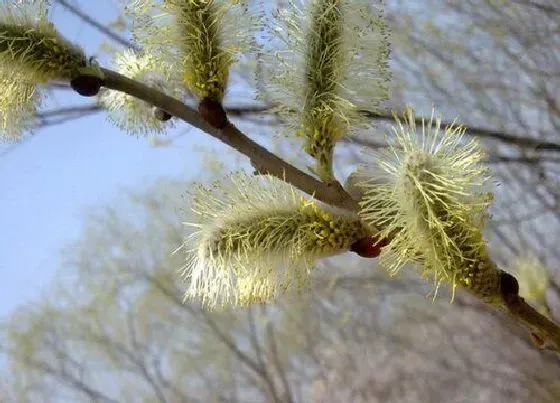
<point>546,334</point>
<point>262,159</point>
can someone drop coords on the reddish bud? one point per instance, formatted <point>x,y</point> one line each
<point>538,340</point>
<point>213,112</point>
<point>369,247</point>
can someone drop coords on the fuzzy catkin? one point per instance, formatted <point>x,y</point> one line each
<point>199,38</point>
<point>335,62</point>
<point>19,101</point>
<point>30,42</point>
<point>258,236</point>
<point>129,113</point>
<point>32,52</point>
<point>428,196</point>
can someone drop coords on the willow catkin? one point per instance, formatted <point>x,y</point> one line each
<point>335,62</point>
<point>256,236</point>
<point>32,52</point>
<point>428,195</point>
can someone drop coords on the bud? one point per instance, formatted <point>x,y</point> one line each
<point>132,114</point>
<point>161,115</point>
<point>213,112</point>
<point>87,85</point>
<point>369,247</point>
<point>335,62</point>
<point>256,237</point>
<point>428,197</point>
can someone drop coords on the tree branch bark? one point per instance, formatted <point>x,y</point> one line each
<point>262,159</point>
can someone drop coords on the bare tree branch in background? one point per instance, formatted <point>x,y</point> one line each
<point>96,24</point>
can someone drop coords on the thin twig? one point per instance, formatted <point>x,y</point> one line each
<point>504,137</point>
<point>96,24</point>
<point>526,142</point>
<point>262,159</point>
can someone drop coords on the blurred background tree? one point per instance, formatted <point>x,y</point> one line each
<point>114,327</point>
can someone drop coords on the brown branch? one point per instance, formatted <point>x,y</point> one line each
<point>541,328</point>
<point>262,159</point>
<point>545,333</point>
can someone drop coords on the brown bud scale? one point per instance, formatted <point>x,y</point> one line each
<point>162,115</point>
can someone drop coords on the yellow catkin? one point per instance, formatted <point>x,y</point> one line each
<point>19,102</point>
<point>31,42</point>
<point>257,237</point>
<point>129,113</point>
<point>335,62</point>
<point>428,194</point>
<point>199,38</point>
<point>32,53</point>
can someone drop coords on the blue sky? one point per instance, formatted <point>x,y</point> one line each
<point>48,183</point>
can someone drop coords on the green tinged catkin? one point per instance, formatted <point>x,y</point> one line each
<point>258,237</point>
<point>199,38</point>
<point>335,62</point>
<point>32,52</point>
<point>321,126</point>
<point>41,50</point>
<point>428,196</point>
<point>129,113</point>
<point>205,61</point>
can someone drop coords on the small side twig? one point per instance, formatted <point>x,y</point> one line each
<point>96,24</point>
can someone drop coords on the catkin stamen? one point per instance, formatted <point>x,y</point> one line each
<point>429,202</point>
<point>206,63</point>
<point>257,237</point>
<point>323,76</point>
<point>34,49</point>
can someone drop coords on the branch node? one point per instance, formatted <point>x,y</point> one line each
<point>213,112</point>
<point>87,85</point>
